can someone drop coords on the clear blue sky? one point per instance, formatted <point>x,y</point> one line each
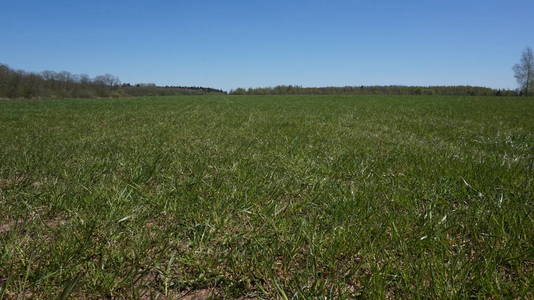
<point>250,43</point>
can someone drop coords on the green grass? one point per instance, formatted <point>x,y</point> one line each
<point>268,197</point>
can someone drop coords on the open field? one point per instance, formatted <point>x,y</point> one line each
<point>267,197</point>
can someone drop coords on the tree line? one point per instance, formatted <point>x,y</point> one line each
<point>523,72</point>
<point>50,84</point>
<point>378,90</point>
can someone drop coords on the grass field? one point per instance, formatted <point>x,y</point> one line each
<point>267,197</point>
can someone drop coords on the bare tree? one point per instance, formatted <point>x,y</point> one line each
<point>107,80</point>
<point>524,71</point>
<point>85,79</point>
<point>49,75</point>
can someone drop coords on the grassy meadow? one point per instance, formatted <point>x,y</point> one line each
<point>289,197</point>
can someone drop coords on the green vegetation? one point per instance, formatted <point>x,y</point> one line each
<point>268,197</point>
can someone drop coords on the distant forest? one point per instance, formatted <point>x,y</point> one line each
<point>378,90</point>
<point>50,84</point>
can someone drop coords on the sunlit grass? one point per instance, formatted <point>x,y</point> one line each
<point>268,197</point>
